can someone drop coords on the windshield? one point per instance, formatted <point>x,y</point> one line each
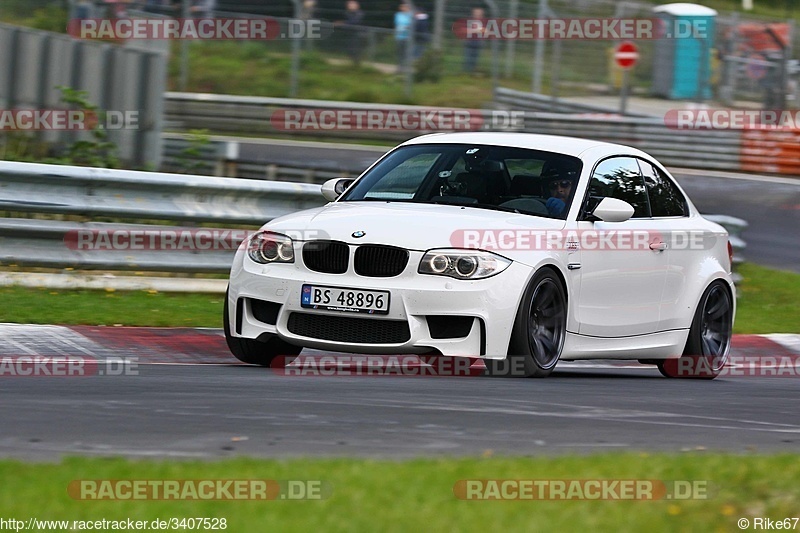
<point>487,177</point>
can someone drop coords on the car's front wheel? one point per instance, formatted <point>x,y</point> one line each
<point>709,341</point>
<point>254,352</point>
<point>539,330</point>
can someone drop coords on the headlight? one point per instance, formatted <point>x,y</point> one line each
<point>266,247</point>
<point>462,264</point>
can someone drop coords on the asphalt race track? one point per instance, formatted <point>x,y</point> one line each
<point>185,397</point>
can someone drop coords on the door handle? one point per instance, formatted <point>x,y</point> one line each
<point>658,246</point>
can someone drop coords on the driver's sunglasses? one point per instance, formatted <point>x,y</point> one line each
<point>564,184</point>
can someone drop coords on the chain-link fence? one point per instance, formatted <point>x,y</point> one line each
<point>745,62</point>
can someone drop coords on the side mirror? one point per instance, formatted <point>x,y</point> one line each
<point>333,188</point>
<point>613,210</point>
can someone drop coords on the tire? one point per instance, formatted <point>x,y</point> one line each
<point>709,341</point>
<point>540,327</point>
<point>254,352</point>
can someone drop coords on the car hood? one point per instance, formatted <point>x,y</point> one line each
<point>407,225</point>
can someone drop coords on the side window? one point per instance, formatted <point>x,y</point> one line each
<point>666,199</point>
<point>619,177</point>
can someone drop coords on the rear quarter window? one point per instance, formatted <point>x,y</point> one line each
<point>666,200</point>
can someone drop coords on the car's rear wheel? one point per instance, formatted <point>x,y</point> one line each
<point>539,330</point>
<point>709,341</point>
<point>272,352</point>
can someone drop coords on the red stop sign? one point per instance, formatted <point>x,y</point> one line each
<point>626,54</point>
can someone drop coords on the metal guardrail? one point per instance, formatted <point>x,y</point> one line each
<point>224,158</point>
<point>734,150</point>
<point>79,192</point>
<point>68,190</point>
<point>30,243</point>
<point>717,150</point>
<point>251,115</point>
<point>543,103</point>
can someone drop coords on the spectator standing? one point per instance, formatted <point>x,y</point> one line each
<point>309,8</point>
<point>353,19</point>
<point>83,9</point>
<point>473,45</point>
<point>403,21</point>
<point>307,12</point>
<point>422,32</point>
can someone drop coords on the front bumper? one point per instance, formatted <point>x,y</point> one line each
<point>491,303</point>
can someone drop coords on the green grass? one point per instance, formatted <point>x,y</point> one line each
<point>768,303</point>
<point>129,308</point>
<point>417,495</point>
<point>248,69</point>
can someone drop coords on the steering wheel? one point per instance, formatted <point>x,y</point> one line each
<point>450,188</point>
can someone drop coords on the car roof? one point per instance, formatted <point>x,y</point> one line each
<point>573,146</point>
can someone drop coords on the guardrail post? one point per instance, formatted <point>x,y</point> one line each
<point>227,159</point>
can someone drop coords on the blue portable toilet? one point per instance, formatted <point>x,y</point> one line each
<point>682,56</point>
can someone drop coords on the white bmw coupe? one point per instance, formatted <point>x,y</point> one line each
<point>517,249</point>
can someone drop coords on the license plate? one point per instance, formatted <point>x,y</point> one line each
<point>346,300</point>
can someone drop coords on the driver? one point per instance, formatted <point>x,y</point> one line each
<point>560,192</point>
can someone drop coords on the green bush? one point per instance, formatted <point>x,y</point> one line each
<point>429,66</point>
<point>94,151</point>
<point>50,18</point>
